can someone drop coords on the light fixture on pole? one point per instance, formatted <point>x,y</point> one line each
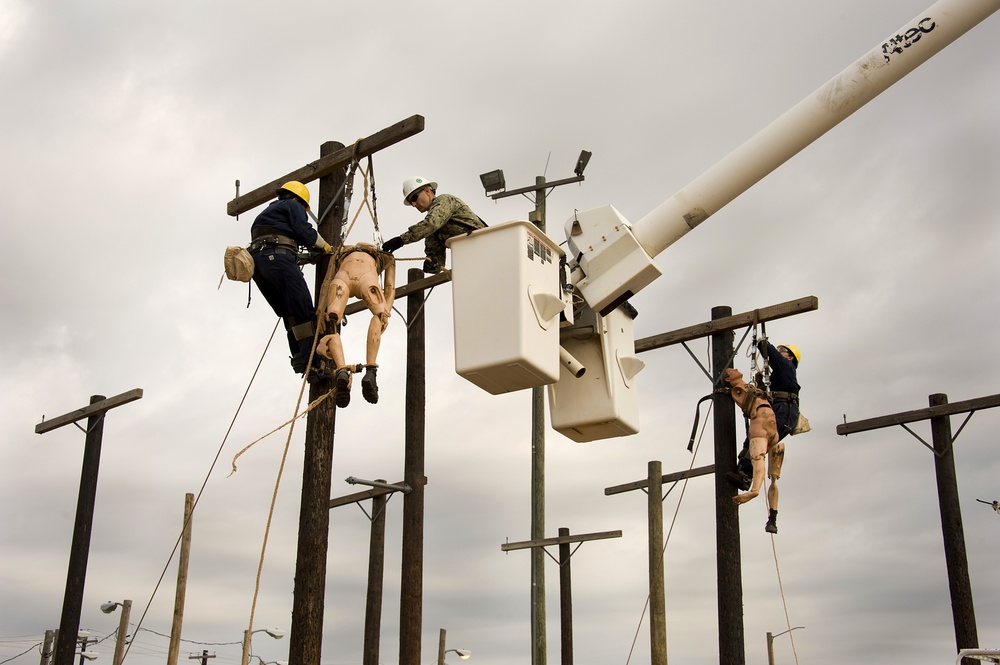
<point>464,654</point>
<point>770,643</point>
<point>496,186</point>
<point>276,633</point>
<point>120,640</point>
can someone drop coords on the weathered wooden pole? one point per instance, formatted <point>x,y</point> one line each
<point>657,592</point>
<point>939,413</point>
<point>182,574</point>
<point>376,568</point>
<point>412,574</point>
<point>959,584</point>
<point>565,598</point>
<point>76,577</point>
<point>539,646</point>
<point>306,635</point>
<point>727,521</point>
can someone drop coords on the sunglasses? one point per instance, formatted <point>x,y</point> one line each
<point>414,195</point>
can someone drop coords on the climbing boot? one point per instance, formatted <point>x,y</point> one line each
<point>740,479</point>
<point>298,363</point>
<point>321,370</point>
<point>772,519</point>
<point>368,386</point>
<point>343,384</point>
<point>744,463</point>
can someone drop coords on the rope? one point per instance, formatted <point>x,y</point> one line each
<point>277,480</point>
<point>784,604</point>
<point>202,489</point>
<point>673,520</point>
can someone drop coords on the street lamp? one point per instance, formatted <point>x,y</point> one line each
<point>464,654</point>
<point>770,643</point>
<point>276,633</point>
<point>110,607</point>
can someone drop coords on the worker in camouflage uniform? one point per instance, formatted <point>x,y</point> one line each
<point>447,216</point>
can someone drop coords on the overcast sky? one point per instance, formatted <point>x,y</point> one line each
<point>125,125</point>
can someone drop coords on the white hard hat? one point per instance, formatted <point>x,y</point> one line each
<point>411,185</point>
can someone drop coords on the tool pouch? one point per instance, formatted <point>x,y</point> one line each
<point>239,264</point>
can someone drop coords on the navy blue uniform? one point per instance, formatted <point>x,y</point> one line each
<point>784,389</point>
<point>278,231</point>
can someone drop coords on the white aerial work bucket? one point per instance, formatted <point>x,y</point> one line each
<point>603,401</point>
<point>507,298</point>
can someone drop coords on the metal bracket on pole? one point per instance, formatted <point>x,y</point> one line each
<point>401,487</point>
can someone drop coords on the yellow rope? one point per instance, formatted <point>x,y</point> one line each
<point>201,490</point>
<point>784,604</point>
<point>277,481</point>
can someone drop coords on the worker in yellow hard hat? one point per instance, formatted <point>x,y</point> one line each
<point>784,363</point>
<point>277,234</point>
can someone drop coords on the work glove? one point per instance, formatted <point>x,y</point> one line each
<point>431,268</point>
<point>392,244</point>
<point>328,249</point>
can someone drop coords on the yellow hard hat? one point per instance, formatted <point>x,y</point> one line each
<point>794,350</point>
<point>297,188</point>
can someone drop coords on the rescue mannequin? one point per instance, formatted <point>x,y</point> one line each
<point>356,271</point>
<point>763,442</point>
<point>447,216</point>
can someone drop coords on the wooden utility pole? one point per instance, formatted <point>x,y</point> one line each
<point>565,593</point>
<point>732,650</point>
<point>728,561</point>
<point>379,495</point>
<point>182,574</point>
<point>939,413</point>
<point>412,573</point>
<point>69,624</point>
<point>306,635</point>
<point>539,646</point>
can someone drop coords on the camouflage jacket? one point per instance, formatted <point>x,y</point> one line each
<point>448,216</point>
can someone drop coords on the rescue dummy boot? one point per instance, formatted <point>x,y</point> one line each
<point>342,382</point>
<point>772,522</point>
<point>369,388</point>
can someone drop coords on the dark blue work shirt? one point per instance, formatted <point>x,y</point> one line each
<point>783,377</point>
<point>287,217</point>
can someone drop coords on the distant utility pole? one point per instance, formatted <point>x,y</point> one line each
<point>495,186</point>
<point>306,636</point>
<point>203,656</point>
<point>173,648</point>
<point>69,624</point>
<point>939,412</point>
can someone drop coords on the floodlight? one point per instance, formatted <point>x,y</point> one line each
<point>464,654</point>
<point>109,607</point>
<point>493,181</point>
<point>581,162</point>
<point>276,633</point>
<point>90,655</point>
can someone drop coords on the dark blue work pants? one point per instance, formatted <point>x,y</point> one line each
<point>277,275</point>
